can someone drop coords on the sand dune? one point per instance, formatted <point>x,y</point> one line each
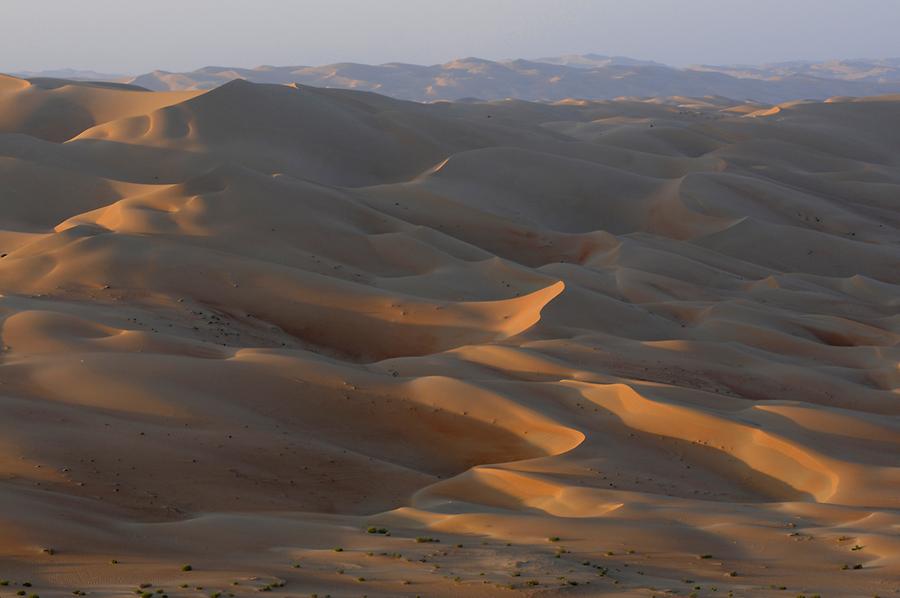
<point>625,348</point>
<point>58,110</point>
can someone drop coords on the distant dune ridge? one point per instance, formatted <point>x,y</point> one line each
<point>323,341</point>
<point>589,76</point>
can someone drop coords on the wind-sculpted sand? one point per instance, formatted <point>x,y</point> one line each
<point>325,342</point>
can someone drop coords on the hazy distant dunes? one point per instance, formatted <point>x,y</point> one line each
<point>591,77</point>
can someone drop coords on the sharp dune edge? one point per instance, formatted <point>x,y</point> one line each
<point>624,348</point>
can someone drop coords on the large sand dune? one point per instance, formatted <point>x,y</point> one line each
<point>621,348</point>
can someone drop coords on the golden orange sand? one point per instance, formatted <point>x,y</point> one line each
<point>622,348</point>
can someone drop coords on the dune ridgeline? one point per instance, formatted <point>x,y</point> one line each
<point>275,337</point>
<point>553,78</point>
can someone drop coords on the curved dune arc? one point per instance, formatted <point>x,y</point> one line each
<point>799,467</point>
<point>355,320</point>
<point>548,436</point>
<point>371,325</point>
<point>489,485</point>
<point>496,487</point>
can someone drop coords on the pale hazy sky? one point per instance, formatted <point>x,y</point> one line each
<point>131,36</point>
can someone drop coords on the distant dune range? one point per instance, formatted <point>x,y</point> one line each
<point>593,347</point>
<point>551,79</point>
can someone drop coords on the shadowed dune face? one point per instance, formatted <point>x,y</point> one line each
<point>266,316</point>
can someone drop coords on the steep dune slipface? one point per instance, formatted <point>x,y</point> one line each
<point>242,327</point>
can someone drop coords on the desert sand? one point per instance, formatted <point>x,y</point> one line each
<point>324,342</point>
